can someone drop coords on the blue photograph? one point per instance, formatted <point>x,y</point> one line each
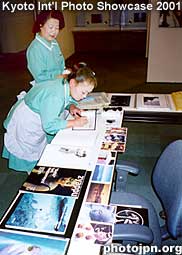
<point>14,243</point>
<point>41,213</point>
<point>97,212</point>
<point>103,173</point>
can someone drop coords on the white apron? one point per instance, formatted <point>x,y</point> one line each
<point>25,137</point>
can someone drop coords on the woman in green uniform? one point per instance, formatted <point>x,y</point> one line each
<point>38,114</point>
<point>44,57</point>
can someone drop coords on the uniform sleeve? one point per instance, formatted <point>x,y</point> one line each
<point>37,65</point>
<point>71,101</point>
<point>50,109</point>
<point>61,61</point>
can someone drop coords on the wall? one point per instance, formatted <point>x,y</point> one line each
<point>16,32</point>
<point>65,38</point>
<point>164,52</point>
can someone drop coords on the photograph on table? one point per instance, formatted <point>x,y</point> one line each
<point>94,233</point>
<point>125,100</point>
<point>18,242</point>
<point>129,214</point>
<point>98,193</point>
<point>115,139</point>
<point>106,157</point>
<point>153,102</point>
<point>66,156</point>
<point>103,173</point>
<point>55,180</point>
<point>39,212</point>
<point>97,213</point>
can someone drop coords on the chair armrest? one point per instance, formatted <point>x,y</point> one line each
<point>133,232</point>
<point>164,233</point>
<point>131,167</point>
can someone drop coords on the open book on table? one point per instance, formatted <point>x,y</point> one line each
<point>66,156</point>
<point>91,118</point>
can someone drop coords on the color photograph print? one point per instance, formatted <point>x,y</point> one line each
<point>14,243</point>
<point>55,180</point>
<point>94,233</point>
<point>103,173</point>
<point>114,146</point>
<point>115,139</point>
<point>106,157</point>
<point>97,212</point>
<point>98,193</point>
<point>41,213</point>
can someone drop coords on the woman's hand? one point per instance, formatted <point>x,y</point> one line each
<point>77,122</point>
<point>65,73</point>
<point>75,111</point>
<point>80,121</point>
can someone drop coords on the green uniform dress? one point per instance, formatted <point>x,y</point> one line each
<point>44,59</point>
<point>31,119</point>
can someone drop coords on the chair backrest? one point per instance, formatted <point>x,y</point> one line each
<point>167,181</point>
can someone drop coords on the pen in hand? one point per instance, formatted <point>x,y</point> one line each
<point>78,114</point>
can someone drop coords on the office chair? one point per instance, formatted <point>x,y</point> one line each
<point>167,183</point>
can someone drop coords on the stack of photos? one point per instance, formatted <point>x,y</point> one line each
<point>91,116</point>
<point>100,185</point>
<point>68,156</point>
<point>95,224</point>
<point>17,242</point>
<point>55,180</point>
<point>115,139</point>
<point>39,212</point>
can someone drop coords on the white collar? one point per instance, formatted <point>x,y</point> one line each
<point>43,42</point>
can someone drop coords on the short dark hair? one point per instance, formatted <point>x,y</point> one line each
<point>43,16</point>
